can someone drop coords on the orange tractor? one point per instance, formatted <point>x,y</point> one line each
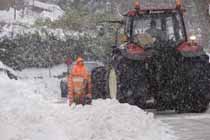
<point>156,65</point>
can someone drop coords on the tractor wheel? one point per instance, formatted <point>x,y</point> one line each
<point>116,88</point>
<point>112,83</point>
<point>99,83</point>
<point>195,89</point>
<point>126,81</point>
<point>195,104</point>
<point>119,89</point>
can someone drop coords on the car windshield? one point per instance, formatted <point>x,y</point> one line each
<point>157,26</point>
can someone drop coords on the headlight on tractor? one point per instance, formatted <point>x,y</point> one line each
<point>193,41</point>
<point>193,38</point>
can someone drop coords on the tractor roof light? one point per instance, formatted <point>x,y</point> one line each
<point>192,38</point>
<point>178,3</point>
<point>193,42</point>
<point>137,5</point>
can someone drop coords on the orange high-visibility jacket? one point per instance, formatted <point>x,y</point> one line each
<point>77,80</point>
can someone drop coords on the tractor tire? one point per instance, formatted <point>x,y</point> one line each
<point>163,73</point>
<point>126,81</point>
<point>193,97</point>
<point>99,83</point>
<point>112,83</point>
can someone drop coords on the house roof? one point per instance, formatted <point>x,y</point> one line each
<point>45,6</point>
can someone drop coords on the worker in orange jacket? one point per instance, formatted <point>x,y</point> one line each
<point>79,84</point>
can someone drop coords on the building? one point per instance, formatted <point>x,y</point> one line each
<point>5,4</point>
<point>39,7</point>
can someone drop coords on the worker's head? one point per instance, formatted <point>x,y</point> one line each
<point>80,61</point>
<point>153,23</point>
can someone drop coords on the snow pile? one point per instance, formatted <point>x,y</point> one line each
<point>108,120</point>
<point>26,115</point>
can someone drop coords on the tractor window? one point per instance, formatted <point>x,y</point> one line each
<point>180,28</point>
<point>155,27</point>
<point>141,26</point>
<point>147,30</point>
<point>170,29</point>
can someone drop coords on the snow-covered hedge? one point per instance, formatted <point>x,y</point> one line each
<point>35,50</point>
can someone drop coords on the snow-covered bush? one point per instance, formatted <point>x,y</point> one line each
<point>35,50</point>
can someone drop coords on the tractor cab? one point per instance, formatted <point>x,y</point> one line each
<point>145,26</point>
<point>161,25</point>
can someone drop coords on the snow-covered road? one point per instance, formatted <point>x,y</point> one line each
<point>188,126</point>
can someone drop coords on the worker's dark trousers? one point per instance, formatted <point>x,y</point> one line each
<point>82,99</point>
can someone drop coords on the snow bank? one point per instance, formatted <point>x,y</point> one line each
<point>26,115</point>
<point>108,120</point>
